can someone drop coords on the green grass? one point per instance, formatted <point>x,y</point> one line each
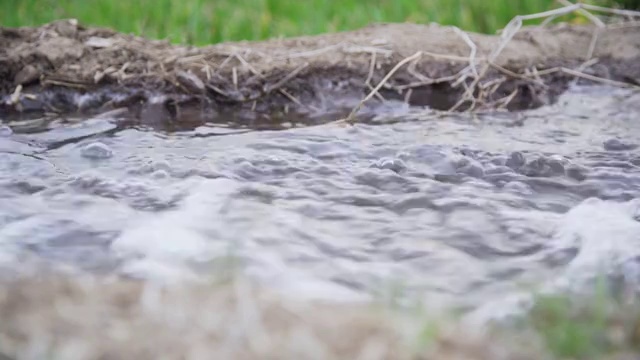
<point>598,324</point>
<point>587,327</point>
<point>210,21</point>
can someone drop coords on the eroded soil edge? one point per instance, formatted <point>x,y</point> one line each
<point>53,67</point>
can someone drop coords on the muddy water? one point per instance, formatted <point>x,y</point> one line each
<point>458,209</point>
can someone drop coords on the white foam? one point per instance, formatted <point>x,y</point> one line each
<point>5,131</point>
<point>607,237</point>
<point>158,271</point>
<point>97,150</point>
<point>606,234</point>
<point>161,238</point>
<point>163,246</point>
<point>180,236</point>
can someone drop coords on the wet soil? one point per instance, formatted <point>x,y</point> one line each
<point>320,76</point>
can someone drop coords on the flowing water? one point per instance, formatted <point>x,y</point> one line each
<point>458,209</point>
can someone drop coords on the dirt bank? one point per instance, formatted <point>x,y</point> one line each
<point>52,317</point>
<point>45,68</point>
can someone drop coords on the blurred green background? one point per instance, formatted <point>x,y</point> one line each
<point>209,21</point>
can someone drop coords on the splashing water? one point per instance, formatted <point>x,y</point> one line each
<point>456,209</point>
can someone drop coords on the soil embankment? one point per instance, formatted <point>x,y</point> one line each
<point>45,68</point>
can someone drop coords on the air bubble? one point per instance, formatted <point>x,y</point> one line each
<point>97,150</point>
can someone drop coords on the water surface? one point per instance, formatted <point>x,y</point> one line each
<point>461,209</point>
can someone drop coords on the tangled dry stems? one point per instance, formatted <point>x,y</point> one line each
<point>478,92</point>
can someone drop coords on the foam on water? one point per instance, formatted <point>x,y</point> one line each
<point>459,210</point>
<point>603,238</point>
<point>607,236</point>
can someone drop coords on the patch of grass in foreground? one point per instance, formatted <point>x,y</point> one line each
<point>205,21</point>
<point>597,326</point>
<point>600,323</point>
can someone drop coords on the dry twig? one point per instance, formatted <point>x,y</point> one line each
<point>349,118</point>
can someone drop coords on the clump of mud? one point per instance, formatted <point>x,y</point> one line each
<point>66,67</point>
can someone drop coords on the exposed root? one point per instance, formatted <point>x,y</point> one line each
<point>598,79</point>
<point>287,78</point>
<point>476,93</point>
<point>350,117</point>
<point>474,96</point>
<point>472,57</point>
<point>372,67</point>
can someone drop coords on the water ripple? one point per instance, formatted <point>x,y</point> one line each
<point>451,208</point>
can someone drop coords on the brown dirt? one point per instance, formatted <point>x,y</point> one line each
<point>312,74</point>
<point>70,318</point>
